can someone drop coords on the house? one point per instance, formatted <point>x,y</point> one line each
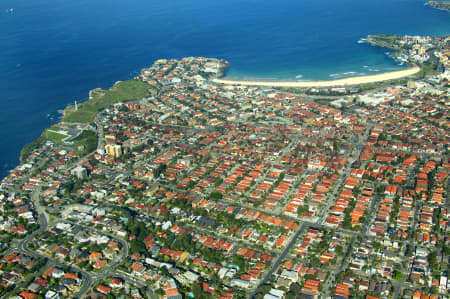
<point>99,264</point>
<point>57,273</point>
<point>291,275</point>
<point>96,295</point>
<point>137,269</point>
<point>34,287</point>
<point>27,295</point>
<point>170,289</point>
<point>274,294</point>
<point>49,272</point>
<point>116,283</point>
<point>94,256</point>
<point>103,289</point>
<point>84,256</point>
<point>240,283</point>
<point>51,295</point>
<point>190,276</point>
<point>72,276</point>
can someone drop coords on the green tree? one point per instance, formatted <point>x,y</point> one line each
<point>302,209</point>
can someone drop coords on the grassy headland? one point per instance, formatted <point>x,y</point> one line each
<point>389,41</point>
<point>100,99</point>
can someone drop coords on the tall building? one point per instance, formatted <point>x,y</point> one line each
<point>110,139</point>
<point>114,150</point>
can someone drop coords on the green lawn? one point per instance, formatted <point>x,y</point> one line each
<point>54,136</point>
<point>100,99</point>
<point>120,92</point>
<point>88,139</point>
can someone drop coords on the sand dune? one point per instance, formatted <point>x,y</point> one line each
<point>341,82</point>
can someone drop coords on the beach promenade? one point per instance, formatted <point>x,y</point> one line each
<point>341,82</point>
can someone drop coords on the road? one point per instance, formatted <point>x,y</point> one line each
<point>124,251</point>
<point>131,280</point>
<point>43,226</point>
<point>86,278</point>
<point>26,282</point>
<point>100,135</point>
<point>278,260</point>
<point>362,233</point>
<point>411,244</point>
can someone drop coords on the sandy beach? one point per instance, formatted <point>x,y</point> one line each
<point>341,82</point>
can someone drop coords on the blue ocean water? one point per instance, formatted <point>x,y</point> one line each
<point>54,51</point>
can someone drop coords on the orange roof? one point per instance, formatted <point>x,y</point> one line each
<point>171,292</point>
<point>49,271</point>
<point>103,289</point>
<point>94,255</point>
<point>71,276</point>
<point>27,295</point>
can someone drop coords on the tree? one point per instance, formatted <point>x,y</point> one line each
<point>161,169</point>
<point>295,288</point>
<point>52,281</point>
<point>302,209</point>
<point>362,219</point>
<point>398,275</point>
<point>432,259</point>
<point>197,290</point>
<point>347,219</point>
<point>259,296</point>
<point>215,195</point>
<point>159,292</point>
<point>217,182</point>
<point>239,261</point>
<point>309,276</point>
<point>262,290</point>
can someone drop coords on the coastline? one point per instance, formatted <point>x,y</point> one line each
<point>440,5</point>
<point>330,83</point>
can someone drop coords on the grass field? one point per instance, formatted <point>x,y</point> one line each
<point>100,99</point>
<point>54,136</point>
<point>88,140</point>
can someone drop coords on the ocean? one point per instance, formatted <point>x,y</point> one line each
<point>54,51</point>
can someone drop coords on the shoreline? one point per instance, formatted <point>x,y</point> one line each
<point>329,83</point>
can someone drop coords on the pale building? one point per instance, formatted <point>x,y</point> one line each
<point>114,150</point>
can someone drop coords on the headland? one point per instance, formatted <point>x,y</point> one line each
<point>441,5</point>
<point>124,188</point>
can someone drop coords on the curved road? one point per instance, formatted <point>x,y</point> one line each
<point>43,225</point>
<point>87,279</point>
